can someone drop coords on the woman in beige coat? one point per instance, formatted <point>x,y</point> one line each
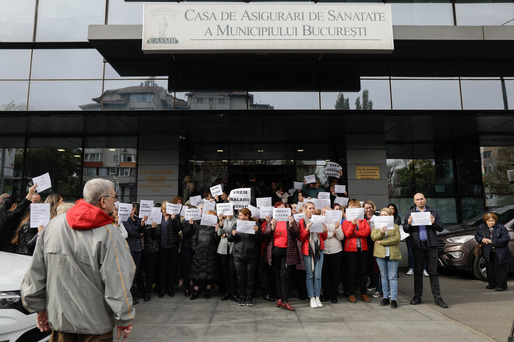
<point>388,255</point>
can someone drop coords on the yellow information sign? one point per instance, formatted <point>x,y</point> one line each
<point>367,172</point>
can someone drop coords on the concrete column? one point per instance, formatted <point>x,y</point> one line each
<point>158,160</point>
<point>367,151</point>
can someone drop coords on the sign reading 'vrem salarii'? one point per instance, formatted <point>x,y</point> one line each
<point>266,27</point>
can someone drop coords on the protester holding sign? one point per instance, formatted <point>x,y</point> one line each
<point>203,268</point>
<point>356,247</point>
<point>188,229</point>
<point>312,250</point>
<point>388,255</point>
<point>152,239</point>
<point>168,252</point>
<point>225,251</point>
<point>332,258</point>
<point>282,254</point>
<point>246,255</point>
<point>135,232</point>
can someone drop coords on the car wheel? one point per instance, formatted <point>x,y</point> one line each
<point>479,268</point>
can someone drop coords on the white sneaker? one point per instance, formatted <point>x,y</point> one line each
<point>410,271</point>
<point>425,273</point>
<point>318,302</point>
<point>314,305</point>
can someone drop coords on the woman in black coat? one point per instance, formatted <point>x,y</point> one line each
<point>203,267</point>
<point>494,239</point>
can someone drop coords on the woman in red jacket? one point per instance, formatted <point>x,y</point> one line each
<point>356,248</point>
<point>282,254</point>
<point>312,251</point>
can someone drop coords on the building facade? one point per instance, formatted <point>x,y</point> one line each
<point>77,92</point>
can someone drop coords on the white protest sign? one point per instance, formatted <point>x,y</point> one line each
<point>216,190</point>
<point>195,200</point>
<point>291,191</point>
<point>310,179</point>
<point>155,216</point>
<point>39,214</point>
<point>324,195</point>
<point>281,214</point>
<point>298,217</point>
<point>263,202</point>
<point>255,211</point>
<point>195,214</point>
<point>266,211</point>
<point>245,227</point>
<point>322,203</point>
<point>43,182</point>
<point>224,209</point>
<point>124,211</point>
<point>403,235</point>
<point>298,185</point>
<point>183,210</point>
<point>209,220</point>
<point>145,208</point>
<point>343,201</point>
<point>383,221</point>
<point>332,216</point>
<point>333,170</point>
<point>354,213</point>
<point>240,198</point>
<point>208,205</point>
<point>340,189</point>
<point>317,224</point>
<point>421,218</point>
<point>172,208</point>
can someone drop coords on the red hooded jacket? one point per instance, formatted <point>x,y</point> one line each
<point>86,216</point>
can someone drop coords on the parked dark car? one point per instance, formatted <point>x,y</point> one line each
<point>456,243</point>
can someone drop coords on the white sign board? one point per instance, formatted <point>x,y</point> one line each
<point>317,224</point>
<point>208,205</point>
<point>340,189</point>
<point>281,214</point>
<point>354,213</point>
<point>209,220</point>
<point>332,216</point>
<point>216,190</point>
<point>195,200</point>
<point>421,218</point>
<point>43,182</point>
<point>343,201</point>
<point>224,209</point>
<point>39,214</point>
<point>298,217</point>
<point>277,27</point>
<point>324,195</point>
<point>155,216</point>
<point>333,170</point>
<point>383,221</point>
<point>255,211</point>
<point>245,227</point>
<point>266,211</point>
<point>263,202</point>
<point>145,208</point>
<point>172,208</point>
<point>124,210</point>
<point>240,198</point>
<point>195,214</point>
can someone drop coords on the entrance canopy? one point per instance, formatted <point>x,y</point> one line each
<point>419,51</point>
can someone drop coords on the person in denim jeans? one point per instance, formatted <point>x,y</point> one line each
<point>388,255</point>
<point>312,251</point>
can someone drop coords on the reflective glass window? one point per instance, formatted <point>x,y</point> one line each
<point>496,161</point>
<point>110,73</point>
<point>422,14</point>
<point>509,88</point>
<point>67,63</point>
<point>15,64</point>
<point>61,158</point>
<point>11,165</point>
<point>63,95</point>
<point>283,100</point>
<point>426,94</point>
<point>17,20</point>
<point>374,94</point>
<point>113,158</point>
<point>125,13</point>
<point>65,20</point>
<point>480,14</point>
<point>482,94</point>
<point>13,95</point>
<point>136,94</point>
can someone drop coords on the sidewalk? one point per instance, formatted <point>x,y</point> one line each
<point>180,319</point>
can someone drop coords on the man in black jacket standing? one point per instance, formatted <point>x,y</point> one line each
<point>425,250</point>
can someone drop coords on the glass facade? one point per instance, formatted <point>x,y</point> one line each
<point>62,77</point>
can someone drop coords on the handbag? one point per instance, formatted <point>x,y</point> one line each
<point>477,251</point>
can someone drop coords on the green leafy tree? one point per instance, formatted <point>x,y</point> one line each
<point>343,103</point>
<point>495,176</point>
<point>12,106</point>
<point>418,176</point>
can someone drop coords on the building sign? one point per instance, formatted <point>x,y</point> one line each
<point>367,172</point>
<point>272,27</point>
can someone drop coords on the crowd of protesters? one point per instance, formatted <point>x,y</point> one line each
<point>280,259</point>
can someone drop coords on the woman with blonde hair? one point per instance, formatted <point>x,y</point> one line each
<point>388,255</point>
<point>54,199</point>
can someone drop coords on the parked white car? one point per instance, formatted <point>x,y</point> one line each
<point>16,323</point>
